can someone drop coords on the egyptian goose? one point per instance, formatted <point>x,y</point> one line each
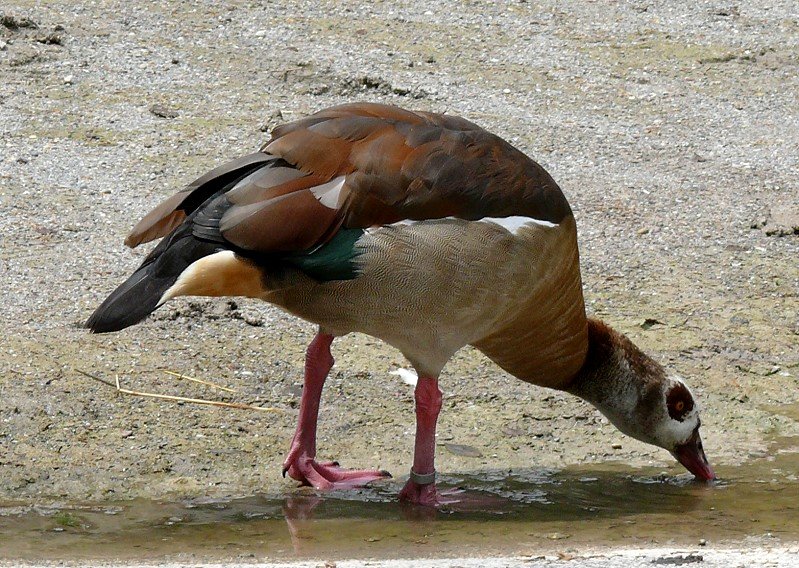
<point>423,230</point>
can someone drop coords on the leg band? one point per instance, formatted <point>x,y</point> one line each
<point>423,479</point>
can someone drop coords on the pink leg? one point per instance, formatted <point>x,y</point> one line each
<point>300,462</point>
<point>421,488</point>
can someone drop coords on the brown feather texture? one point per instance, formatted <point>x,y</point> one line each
<point>395,165</point>
<point>171,212</point>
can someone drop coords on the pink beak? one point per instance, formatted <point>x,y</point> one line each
<point>692,456</point>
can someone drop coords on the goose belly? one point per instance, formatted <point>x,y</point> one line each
<point>428,288</point>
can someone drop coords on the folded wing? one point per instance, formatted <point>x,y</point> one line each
<point>354,167</point>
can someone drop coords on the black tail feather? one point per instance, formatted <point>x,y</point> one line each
<point>138,296</point>
<point>130,303</point>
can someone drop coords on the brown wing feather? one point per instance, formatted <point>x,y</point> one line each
<point>394,164</point>
<point>172,211</point>
<point>293,221</point>
<point>405,165</point>
<point>266,183</point>
<point>312,152</point>
<point>158,222</point>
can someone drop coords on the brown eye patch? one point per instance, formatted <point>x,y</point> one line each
<point>679,402</point>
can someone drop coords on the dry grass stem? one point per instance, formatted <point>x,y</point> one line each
<point>200,381</point>
<point>173,398</point>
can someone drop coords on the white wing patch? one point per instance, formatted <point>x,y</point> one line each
<point>328,193</point>
<point>511,224</point>
<point>515,222</point>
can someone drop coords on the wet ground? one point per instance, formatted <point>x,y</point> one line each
<point>526,513</point>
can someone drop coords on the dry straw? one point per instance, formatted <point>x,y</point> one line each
<point>173,398</point>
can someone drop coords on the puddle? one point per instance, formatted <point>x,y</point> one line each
<point>527,512</point>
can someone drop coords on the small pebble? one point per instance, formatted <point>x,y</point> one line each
<point>69,79</point>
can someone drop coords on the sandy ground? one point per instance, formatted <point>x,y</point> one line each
<point>673,128</point>
<point>720,558</point>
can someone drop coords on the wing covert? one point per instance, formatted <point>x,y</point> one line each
<point>358,166</point>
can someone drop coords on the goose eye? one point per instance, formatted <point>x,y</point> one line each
<point>679,402</point>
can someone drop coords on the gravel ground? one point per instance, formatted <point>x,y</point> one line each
<point>772,558</point>
<point>672,126</point>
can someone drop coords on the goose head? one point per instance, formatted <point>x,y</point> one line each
<point>637,395</point>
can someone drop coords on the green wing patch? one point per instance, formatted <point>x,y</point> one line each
<point>334,260</point>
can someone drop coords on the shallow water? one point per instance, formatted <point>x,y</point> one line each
<point>521,512</point>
